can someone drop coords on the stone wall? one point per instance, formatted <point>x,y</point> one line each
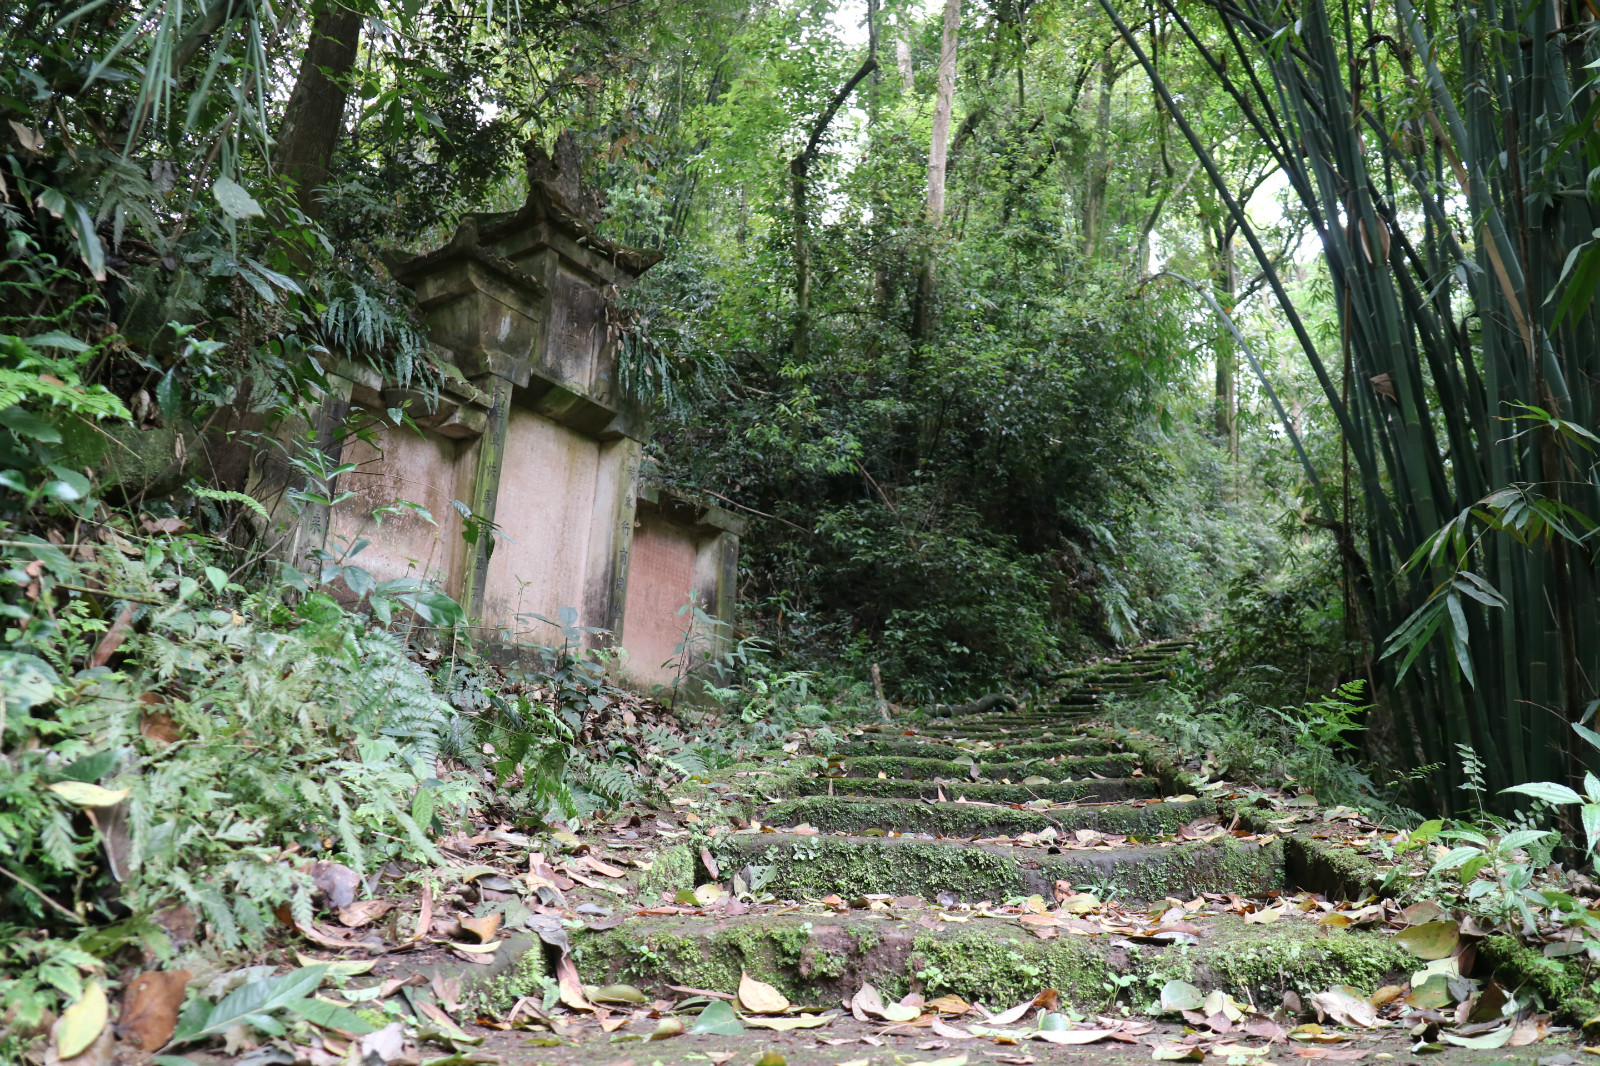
<point>531,437</point>
<point>683,553</point>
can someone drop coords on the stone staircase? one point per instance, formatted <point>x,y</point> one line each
<point>987,857</point>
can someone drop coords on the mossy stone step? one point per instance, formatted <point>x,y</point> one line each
<point>1051,728</point>
<point>819,958</point>
<point>1093,790</point>
<point>1120,765</point>
<point>936,749</point>
<point>810,867</point>
<point>955,819</point>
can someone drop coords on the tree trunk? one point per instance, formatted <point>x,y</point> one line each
<point>1226,284</point>
<point>314,116</point>
<point>1099,170</point>
<point>799,174</point>
<point>902,55</point>
<point>922,323</point>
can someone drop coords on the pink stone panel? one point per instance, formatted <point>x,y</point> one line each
<point>418,469</point>
<point>548,481</point>
<point>661,574</point>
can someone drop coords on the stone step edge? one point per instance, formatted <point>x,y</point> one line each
<point>816,960</point>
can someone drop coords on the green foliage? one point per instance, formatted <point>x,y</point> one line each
<point>1307,746</point>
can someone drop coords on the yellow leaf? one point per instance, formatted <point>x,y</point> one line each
<point>783,1025</point>
<point>478,949</point>
<point>337,967</point>
<point>86,795</point>
<point>760,997</point>
<point>81,1023</point>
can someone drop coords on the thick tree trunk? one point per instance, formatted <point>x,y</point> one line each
<point>922,324</point>
<point>902,55</point>
<point>314,117</point>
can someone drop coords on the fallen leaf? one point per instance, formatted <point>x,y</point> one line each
<point>950,1005</point>
<point>866,1003</point>
<point>783,1025</point>
<point>619,994</point>
<point>363,912</point>
<point>1016,1013</point>
<point>1335,1054</point>
<point>1166,1051</point>
<point>338,967</point>
<point>949,1032</point>
<point>150,1008</point>
<point>337,882</point>
<point>483,928</point>
<point>772,1058</point>
<point>1180,996</point>
<point>1430,940</point>
<point>666,1028</point>
<point>1498,1038</point>
<point>718,1019</point>
<point>1073,1036</point>
<point>571,987</point>
<point>447,990</point>
<point>80,1024</point>
<point>1346,1006</point>
<point>760,997</point>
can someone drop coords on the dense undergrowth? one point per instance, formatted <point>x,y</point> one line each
<point>188,722</point>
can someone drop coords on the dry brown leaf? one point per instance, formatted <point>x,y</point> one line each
<point>447,991</point>
<point>949,1032</point>
<point>483,928</point>
<point>363,912</point>
<point>759,997</point>
<point>571,986</point>
<point>950,1005</point>
<point>425,914</point>
<point>150,1008</point>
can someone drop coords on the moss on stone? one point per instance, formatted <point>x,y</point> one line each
<point>1119,765</point>
<point>1094,790</point>
<point>950,819</point>
<point>1258,963</point>
<point>907,816</point>
<point>671,870</point>
<point>1560,984</point>
<point>781,953</point>
<point>819,960</point>
<point>814,866</point>
<point>1001,968</point>
<point>936,749</point>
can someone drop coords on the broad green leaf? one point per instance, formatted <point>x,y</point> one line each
<point>1180,996</point>
<point>1431,940</point>
<point>57,339</point>
<point>234,200</point>
<point>330,1016</point>
<point>1523,837</point>
<point>1549,791</point>
<point>1425,832</point>
<point>256,998</point>
<point>718,1019</point>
